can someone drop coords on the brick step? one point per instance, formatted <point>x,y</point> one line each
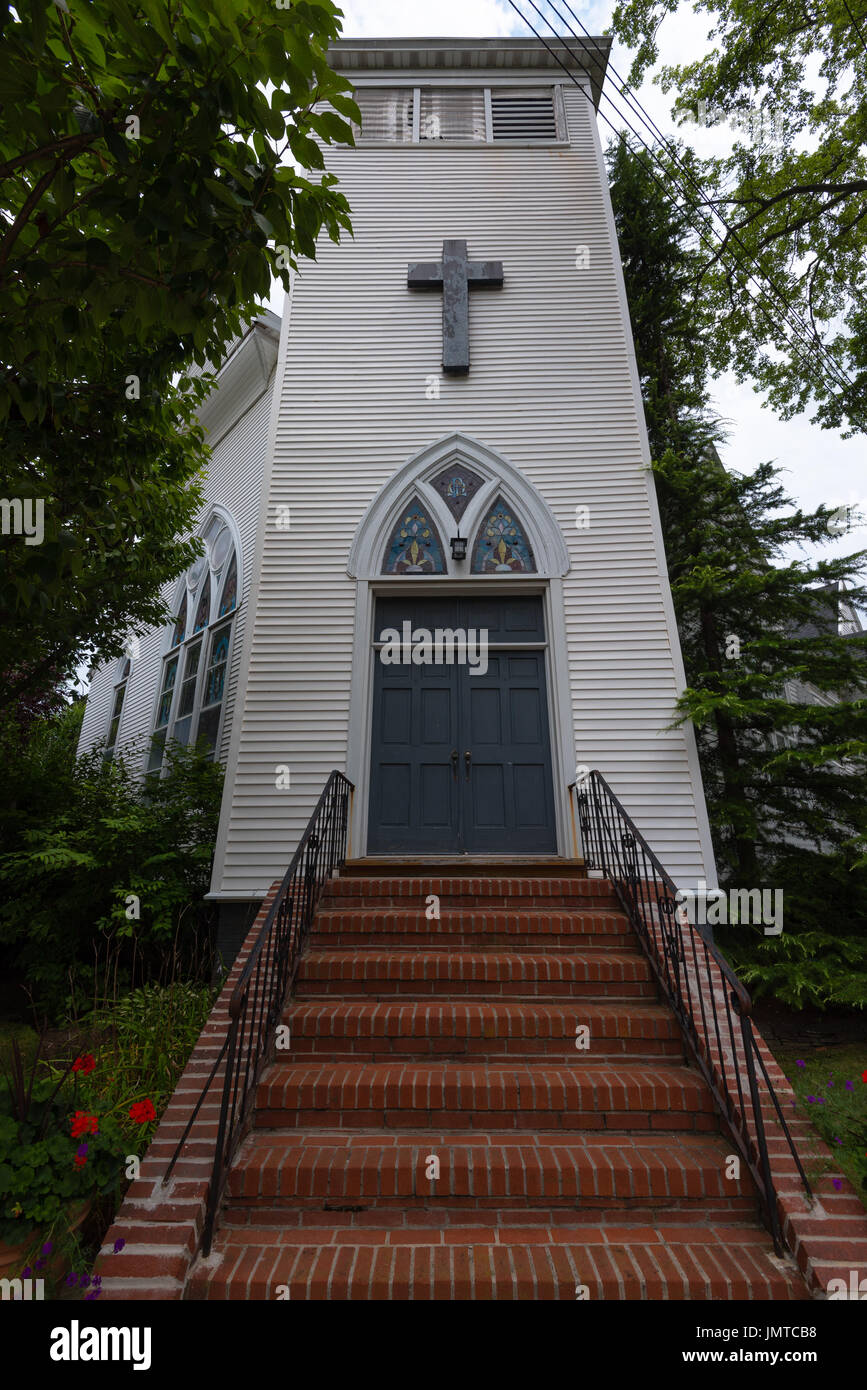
<point>473,865</point>
<point>531,974</point>
<point>478,928</point>
<point>625,1263</point>
<point>465,891</point>
<point>346,1030</point>
<point>401,1095</point>
<point>311,1171</point>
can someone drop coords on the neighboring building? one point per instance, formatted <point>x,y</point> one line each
<point>458,375</point>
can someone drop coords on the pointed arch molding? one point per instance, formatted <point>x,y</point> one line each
<point>414,479</point>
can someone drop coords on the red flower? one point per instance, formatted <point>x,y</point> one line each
<point>142,1111</point>
<point>85,1063</point>
<point>83,1124</point>
<point>80,1160</point>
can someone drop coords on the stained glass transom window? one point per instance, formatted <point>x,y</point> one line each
<point>501,546</point>
<point>457,486</point>
<point>414,547</point>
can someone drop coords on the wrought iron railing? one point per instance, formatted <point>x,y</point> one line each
<point>266,981</point>
<point>712,1005</point>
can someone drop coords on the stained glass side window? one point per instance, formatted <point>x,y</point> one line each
<point>203,612</point>
<point>215,683</point>
<point>158,742</point>
<point>116,710</point>
<point>501,546</point>
<point>229,596</point>
<point>414,546</point>
<point>187,697</point>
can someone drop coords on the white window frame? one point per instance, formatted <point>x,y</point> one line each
<point>205,636</point>
<point>513,86</point>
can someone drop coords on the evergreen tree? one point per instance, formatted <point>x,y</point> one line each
<point>775,683</point>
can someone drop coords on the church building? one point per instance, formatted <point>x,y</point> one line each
<point>434,558</point>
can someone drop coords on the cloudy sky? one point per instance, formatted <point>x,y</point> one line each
<point>820,467</point>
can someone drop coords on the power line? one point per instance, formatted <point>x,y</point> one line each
<point>707,225</point>
<point>793,317</point>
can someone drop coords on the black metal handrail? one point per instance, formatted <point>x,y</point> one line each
<point>266,981</point>
<point>683,959</point>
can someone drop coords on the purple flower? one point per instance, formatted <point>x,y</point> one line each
<point>82,1150</point>
<point>838,1183</point>
<point>26,1272</point>
<point>118,1245</point>
<point>40,1264</point>
<point>850,1085</point>
<point>47,1247</point>
<point>830,1083</point>
<point>811,1100</point>
<point>96,1280</point>
<point>837,1141</point>
<point>84,1281</point>
<point>800,1064</point>
<point>88,1296</point>
<point>70,1279</point>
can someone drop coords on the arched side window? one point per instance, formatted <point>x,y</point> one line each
<point>116,710</point>
<point>193,678</point>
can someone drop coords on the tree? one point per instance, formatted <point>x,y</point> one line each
<point>776,691</point>
<point>793,192</point>
<point>149,190</point>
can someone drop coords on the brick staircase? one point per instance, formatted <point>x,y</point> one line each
<point>598,1173</point>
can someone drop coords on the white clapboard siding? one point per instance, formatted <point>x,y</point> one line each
<point>234,481</point>
<point>551,387</point>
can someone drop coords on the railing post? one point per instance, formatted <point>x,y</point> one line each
<point>761,1141</point>
<point>217,1170</point>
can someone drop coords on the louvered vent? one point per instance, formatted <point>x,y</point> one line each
<point>456,113</point>
<point>386,115</point>
<point>523,117</point>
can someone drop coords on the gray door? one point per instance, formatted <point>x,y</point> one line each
<point>461,761</point>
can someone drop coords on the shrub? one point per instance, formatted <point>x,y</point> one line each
<point>106,873</point>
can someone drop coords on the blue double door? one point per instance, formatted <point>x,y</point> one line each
<point>461,755</point>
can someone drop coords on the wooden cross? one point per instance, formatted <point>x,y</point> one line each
<point>454,274</point>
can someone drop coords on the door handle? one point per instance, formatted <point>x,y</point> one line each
<point>454,760</point>
<point>468,758</point>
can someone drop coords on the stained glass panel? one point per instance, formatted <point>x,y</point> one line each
<point>203,612</point>
<point>414,547</point>
<point>165,708</point>
<point>457,486</point>
<point>217,668</point>
<point>180,631</point>
<point>230,589</point>
<point>220,548</point>
<point>501,547</point>
<point>188,688</point>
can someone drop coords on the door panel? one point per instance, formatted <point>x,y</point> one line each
<point>508,797</point>
<point>502,799</point>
